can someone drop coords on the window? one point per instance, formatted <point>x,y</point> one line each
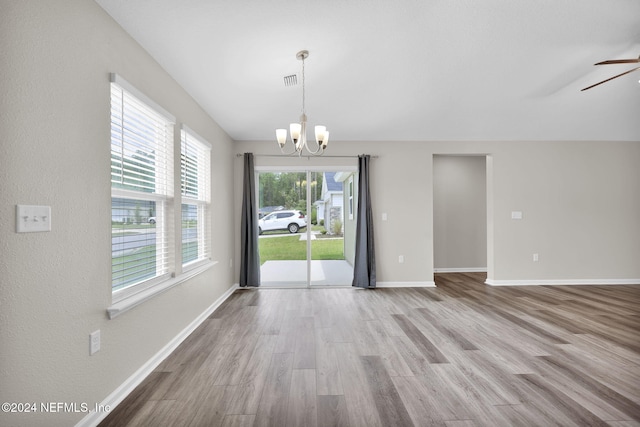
<point>195,172</point>
<point>141,190</point>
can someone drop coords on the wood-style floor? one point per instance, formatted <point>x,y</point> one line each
<point>460,354</point>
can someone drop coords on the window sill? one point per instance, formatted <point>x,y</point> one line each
<point>138,298</point>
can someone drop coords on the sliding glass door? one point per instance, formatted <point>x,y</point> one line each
<point>331,260</point>
<point>307,227</point>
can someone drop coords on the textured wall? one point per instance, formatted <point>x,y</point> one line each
<point>54,136</point>
<point>580,204</point>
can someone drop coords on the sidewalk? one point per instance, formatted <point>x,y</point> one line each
<point>294,273</point>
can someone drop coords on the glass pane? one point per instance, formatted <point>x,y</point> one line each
<point>189,233</point>
<point>282,225</point>
<point>140,140</point>
<point>333,232</point>
<point>133,241</point>
<point>189,169</point>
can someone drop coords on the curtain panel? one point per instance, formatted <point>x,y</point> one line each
<point>364,267</point>
<point>250,255</point>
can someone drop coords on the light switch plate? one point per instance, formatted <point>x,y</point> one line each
<point>516,215</point>
<point>33,219</point>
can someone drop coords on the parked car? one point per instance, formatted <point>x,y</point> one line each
<point>152,220</point>
<point>282,220</point>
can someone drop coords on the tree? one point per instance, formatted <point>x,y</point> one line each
<point>288,189</point>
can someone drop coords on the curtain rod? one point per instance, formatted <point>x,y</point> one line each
<point>307,157</point>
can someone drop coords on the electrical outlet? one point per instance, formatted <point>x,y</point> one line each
<point>401,259</point>
<point>535,257</point>
<point>94,342</point>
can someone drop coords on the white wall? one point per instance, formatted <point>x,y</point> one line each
<point>55,138</point>
<point>460,213</point>
<point>580,204</point>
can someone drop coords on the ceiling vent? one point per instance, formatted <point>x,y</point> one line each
<point>291,80</point>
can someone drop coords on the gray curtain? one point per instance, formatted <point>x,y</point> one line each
<point>250,256</point>
<point>364,266</point>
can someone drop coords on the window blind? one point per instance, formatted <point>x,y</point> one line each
<point>195,176</point>
<point>141,188</point>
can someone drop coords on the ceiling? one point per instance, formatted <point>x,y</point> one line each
<point>401,70</point>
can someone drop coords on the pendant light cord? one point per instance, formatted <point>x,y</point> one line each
<point>303,94</point>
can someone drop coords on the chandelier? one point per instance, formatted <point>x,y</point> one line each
<point>299,130</point>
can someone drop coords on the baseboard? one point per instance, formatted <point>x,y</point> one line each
<point>461,270</point>
<point>406,284</point>
<point>93,418</point>
<point>562,282</point>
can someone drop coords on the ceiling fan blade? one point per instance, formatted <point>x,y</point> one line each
<point>611,78</point>
<point>619,61</point>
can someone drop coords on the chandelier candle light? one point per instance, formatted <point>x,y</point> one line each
<point>299,130</point>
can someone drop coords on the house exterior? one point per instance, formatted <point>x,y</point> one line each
<point>331,206</point>
<point>349,182</point>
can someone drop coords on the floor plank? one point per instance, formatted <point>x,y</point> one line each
<point>303,407</point>
<point>332,411</point>
<point>385,395</point>
<point>275,396</point>
<point>460,354</point>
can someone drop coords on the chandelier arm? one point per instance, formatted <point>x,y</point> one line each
<point>317,150</point>
<point>289,154</point>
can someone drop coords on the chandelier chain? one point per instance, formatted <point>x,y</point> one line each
<point>303,94</point>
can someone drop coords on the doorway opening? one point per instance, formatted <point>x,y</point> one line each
<point>307,227</point>
<point>460,218</point>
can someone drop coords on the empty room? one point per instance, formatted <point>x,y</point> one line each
<point>320,213</point>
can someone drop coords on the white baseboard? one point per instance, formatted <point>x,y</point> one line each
<point>560,282</point>
<point>93,418</point>
<point>406,284</point>
<point>461,270</point>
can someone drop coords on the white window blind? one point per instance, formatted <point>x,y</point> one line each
<point>141,189</point>
<point>195,176</point>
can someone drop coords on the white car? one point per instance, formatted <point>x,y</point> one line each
<point>282,220</point>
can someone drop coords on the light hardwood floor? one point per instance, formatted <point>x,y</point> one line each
<point>461,354</point>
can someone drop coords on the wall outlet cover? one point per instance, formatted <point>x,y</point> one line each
<point>94,342</point>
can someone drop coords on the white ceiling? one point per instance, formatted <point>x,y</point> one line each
<point>398,70</point>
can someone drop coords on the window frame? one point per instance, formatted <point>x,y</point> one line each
<point>124,299</point>
<point>202,201</point>
<point>163,196</point>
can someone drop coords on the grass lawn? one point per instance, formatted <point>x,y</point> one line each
<point>292,248</point>
<point>140,263</point>
<point>134,266</point>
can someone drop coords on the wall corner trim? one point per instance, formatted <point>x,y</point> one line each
<point>117,396</point>
<point>430,284</point>
<point>562,282</point>
<point>460,270</point>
